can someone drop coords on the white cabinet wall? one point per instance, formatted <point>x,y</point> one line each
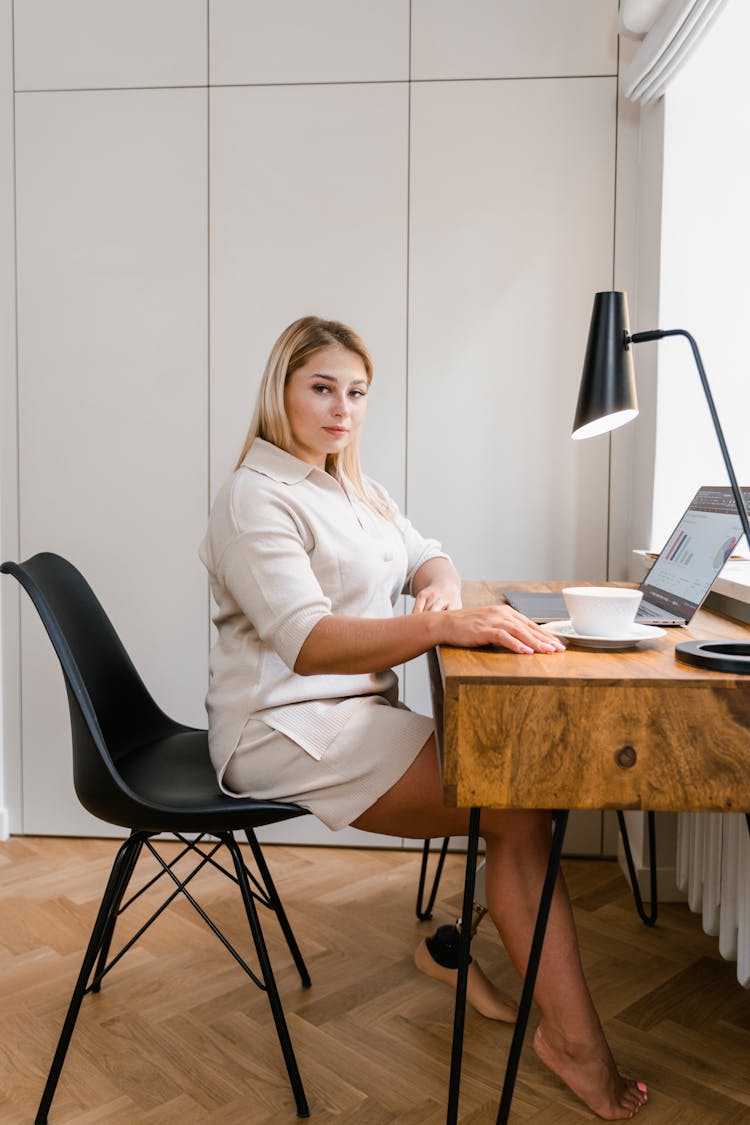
<point>509,239</point>
<point>109,44</point>
<point>112,347</point>
<point>9,671</point>
<point>505,39</point>
<point>293,41</point>
<point>192,177</point>
<point>284,245</point>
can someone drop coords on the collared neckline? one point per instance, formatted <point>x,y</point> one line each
<point>276,463</point>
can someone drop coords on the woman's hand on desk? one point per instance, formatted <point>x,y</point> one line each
<point>497,625</point>
<point>436,586</point>
<point>437,596</point>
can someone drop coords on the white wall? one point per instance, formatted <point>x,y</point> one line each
<point>694,243</point>
<point>705,285</point>
<point>440,174</point>
<point>9,762</point>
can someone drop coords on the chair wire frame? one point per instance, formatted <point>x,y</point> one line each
<point>97,963</point>
<point>259,893</point>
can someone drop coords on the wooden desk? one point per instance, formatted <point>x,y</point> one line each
<point>583,730</point>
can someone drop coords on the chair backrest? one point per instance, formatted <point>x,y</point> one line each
<point>111,710</point>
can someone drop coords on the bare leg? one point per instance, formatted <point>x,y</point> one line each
<point>437,957</point>
<point>569,1039</point>
<point>481,993</point>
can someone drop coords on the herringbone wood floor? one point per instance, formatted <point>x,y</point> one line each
<point>178,1035</point>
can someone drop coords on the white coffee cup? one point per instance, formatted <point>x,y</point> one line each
<point>602,611</point>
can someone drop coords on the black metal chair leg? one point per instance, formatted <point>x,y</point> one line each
<point>112,920</point>
<point>119,867</point>
<point>424,913</point>
<point>268,978</point>
<point>277,907</point>
<point>463,967</point>
<point>527,994</point>
<point>647,917</point>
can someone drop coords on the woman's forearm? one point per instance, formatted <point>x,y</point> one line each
<point>352,645</point>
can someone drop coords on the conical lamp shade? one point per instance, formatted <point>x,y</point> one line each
<point>607,397</point>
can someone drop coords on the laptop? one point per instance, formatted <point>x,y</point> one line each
<point>679,581</point>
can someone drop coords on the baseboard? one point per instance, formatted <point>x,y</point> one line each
<point>666,882</point>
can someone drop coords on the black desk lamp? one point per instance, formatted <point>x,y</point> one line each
<point>607,399</point>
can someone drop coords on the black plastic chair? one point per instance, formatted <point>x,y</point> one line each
<point>135,767</point>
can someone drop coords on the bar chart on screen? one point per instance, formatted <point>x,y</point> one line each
<point>700,545</point>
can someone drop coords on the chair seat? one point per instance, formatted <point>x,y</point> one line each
<point>174,777</point>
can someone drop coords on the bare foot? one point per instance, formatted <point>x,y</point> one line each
<point>480,991</point>
<point>592,1075</point>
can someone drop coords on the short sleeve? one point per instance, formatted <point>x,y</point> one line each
<point>267,571</point>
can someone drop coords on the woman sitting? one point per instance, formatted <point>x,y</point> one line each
<point>308,560</point>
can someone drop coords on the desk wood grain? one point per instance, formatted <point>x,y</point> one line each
<point>593,730</point>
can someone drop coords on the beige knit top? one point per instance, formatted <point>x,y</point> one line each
<point>286,545</point>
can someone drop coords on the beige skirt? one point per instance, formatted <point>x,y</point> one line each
<point>370,754</point>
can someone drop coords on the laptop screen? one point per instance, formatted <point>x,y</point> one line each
<point>695,552</point>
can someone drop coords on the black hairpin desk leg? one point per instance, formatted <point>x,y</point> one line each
<point>424,913</point>
<point>647,917</point>
<point>463,968</point>
<point>527,995</point>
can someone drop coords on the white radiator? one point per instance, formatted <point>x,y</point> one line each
<point>713,868</point>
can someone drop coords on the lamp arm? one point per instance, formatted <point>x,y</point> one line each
<point>658,334</point>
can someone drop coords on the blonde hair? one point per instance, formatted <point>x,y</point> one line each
<point>293,348</point>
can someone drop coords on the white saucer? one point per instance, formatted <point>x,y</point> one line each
<point>634,635</point>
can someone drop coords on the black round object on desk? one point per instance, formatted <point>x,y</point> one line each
<point>716,656</point>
